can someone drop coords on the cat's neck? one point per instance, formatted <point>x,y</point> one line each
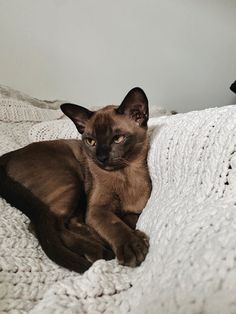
<point>140,162</point>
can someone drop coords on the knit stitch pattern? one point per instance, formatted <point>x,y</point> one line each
<point>190,219</point>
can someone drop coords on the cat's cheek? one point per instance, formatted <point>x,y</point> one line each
<point>131,154</point>
<point>89,152</point>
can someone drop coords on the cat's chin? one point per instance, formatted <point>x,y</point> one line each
<point>110,167</point>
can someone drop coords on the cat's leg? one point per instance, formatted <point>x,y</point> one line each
<point>130,219</point>
<point>74,234</point>
<point>130,246</point>
<point>46,225</point>
<point>80,237</point>
<point>49,224</point>
<point>76,224</point>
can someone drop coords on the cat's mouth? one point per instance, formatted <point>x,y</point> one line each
<point>109,166</point>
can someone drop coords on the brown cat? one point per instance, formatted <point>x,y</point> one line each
<point>83,197</point>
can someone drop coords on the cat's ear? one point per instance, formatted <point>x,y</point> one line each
<point>135,105</point>
<point>79,115</point>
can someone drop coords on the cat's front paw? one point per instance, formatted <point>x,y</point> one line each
<point>132,251</point>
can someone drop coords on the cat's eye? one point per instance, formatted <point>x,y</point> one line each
<point>90,141</point>
<point>119,139</point>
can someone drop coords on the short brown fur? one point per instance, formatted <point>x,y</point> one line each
<point>84,200</point>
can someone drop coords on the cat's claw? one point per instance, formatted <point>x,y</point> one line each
<point>133,251</point>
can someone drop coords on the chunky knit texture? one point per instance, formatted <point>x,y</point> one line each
<point>190,218</point>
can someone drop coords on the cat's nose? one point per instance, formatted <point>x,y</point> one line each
<point>102,153</point>
<point>102,158</point>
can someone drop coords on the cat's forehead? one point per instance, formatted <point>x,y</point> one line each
<point>106,121</point>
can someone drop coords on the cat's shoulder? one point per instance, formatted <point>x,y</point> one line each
<point>60,146</point>
<point>55,143</point>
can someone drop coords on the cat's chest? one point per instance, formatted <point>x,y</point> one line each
<point>133,190</point>
<point>133,203</point>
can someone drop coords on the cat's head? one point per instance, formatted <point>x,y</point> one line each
<point>113,136</point>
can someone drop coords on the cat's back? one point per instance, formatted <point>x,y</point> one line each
<point>47,161</point>
<point>39,152</point>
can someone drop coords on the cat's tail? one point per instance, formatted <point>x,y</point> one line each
<point>47,226</point>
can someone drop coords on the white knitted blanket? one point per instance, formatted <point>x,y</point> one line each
<point>190,218</point>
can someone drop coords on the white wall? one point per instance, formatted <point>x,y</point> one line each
<point>182,52</point>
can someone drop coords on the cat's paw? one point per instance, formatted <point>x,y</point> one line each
<point>133,250</point>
